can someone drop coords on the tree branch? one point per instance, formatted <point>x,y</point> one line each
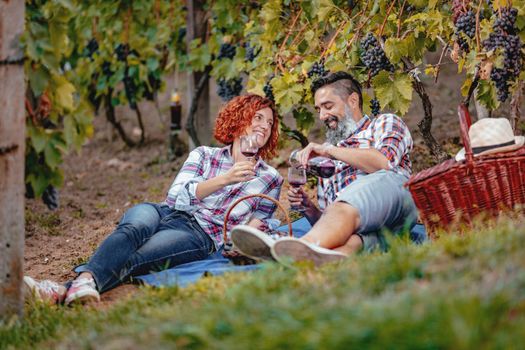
<point>110,116</point>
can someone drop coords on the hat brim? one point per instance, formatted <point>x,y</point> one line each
<point>519,142</point>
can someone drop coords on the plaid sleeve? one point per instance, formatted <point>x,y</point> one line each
<point>266,208</point>
<point>181,194</point>
<point>392,138</point>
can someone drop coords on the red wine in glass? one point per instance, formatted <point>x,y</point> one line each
<point>297,178</point>
<point>297,182</point>
<point>249,146</point>
<point>249,154</point>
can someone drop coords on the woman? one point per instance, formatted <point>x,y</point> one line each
<point>187,226</point>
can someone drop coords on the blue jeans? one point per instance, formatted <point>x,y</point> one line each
<point>149,237</point>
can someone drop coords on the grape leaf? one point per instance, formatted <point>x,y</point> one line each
<point>394,92</point>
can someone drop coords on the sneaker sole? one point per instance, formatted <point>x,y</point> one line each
<point>252,243</point>
<point>287,251</point>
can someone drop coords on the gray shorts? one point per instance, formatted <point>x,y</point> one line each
<point>383,203</point>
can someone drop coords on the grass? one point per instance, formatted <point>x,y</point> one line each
<point>460,292</point>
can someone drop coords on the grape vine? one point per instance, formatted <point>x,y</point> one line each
<point>87,56</point>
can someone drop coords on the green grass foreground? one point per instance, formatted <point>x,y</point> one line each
<point>460,292</point>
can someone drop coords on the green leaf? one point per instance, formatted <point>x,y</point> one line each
<point>304,119</point>
<point>38,138</point>
<point>324,8</point>
<point>486,95</point>
<point>393,91</point>
<point>64,93</point>
<point>38,79</point>
<point>52,155</point>
<point>287,92</point>
<point>152,63</point>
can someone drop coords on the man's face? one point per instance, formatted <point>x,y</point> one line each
<point>336,113</point>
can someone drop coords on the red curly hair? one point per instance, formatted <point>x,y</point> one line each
<point>237,115</point>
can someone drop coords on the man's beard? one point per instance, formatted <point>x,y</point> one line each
<point>343,129</point>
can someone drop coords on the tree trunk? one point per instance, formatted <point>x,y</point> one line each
<point>12,150</point>
<point>425,125</point>
<point>515,108</point>
<point>200,128</point>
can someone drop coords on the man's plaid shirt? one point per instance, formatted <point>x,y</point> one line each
<point>204,163</point>
<point>388,134</point>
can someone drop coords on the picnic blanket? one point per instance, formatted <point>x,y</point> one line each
<point>186,274</point>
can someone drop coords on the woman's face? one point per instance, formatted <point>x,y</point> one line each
<point>261,125</point>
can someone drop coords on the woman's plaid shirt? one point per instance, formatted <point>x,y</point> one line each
<point>388,134</point>
<point>204,163</point>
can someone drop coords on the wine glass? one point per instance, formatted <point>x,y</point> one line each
<point>249,146</point>
<point>297,178</point>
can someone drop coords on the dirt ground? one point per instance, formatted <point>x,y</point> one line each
<point>107,178</point>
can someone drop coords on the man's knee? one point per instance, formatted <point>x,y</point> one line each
<point>343,211</point>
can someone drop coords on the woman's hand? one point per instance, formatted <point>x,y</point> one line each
<point>239,172</point>
<point>299,199</point>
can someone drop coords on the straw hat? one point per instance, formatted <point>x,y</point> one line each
<point>491,135</point>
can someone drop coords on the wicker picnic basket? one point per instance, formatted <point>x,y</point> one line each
<point>458,191</point>
<point>229,250</point>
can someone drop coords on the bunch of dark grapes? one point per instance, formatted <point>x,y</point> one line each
<point>130,89</point>
<point>91,48</point>
<point>465,25</point>
<point>228,89</point>
<point>458,7</point>
<point>373,56</point>
<point>122,52</point>
<point>506,20</point>
<point>106,68</point>
<point>317,70</point>
<point>251,53</point>
<point>375,107</point>
<point>227,51</point>
<point>152,88</point>
<point>504,38</point>
<point>268,90</point>
<point>50,197</point>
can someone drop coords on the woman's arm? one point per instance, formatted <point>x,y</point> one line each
<point>240,171</point>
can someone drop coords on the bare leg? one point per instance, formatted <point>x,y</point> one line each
<point>353,245</point>
<point>85,274</point>
<point>336,228</point>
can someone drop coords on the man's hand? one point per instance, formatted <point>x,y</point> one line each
<point>239,172</point>
<point>313,150</point>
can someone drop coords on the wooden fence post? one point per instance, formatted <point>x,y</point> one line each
<point>12,149</point>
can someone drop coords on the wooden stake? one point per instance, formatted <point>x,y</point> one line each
<point>12,150</point>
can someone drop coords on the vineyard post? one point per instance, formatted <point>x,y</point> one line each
<point>12,152</point>
<point>198,122</point>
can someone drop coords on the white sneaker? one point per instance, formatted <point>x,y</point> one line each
<point>252,242</point>
<point>288,250</point>
<point>44,291</point>
<point>82,290</point>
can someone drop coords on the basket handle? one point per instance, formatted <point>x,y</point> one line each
<point>226,217</point>
<point>464,126</point>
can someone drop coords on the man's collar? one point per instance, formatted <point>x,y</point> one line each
<point>362,124</point>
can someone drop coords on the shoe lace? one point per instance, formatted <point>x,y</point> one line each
<point>84,282</point>
<point>49,287</point>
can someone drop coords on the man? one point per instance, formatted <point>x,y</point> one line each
<point>363,197</point>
